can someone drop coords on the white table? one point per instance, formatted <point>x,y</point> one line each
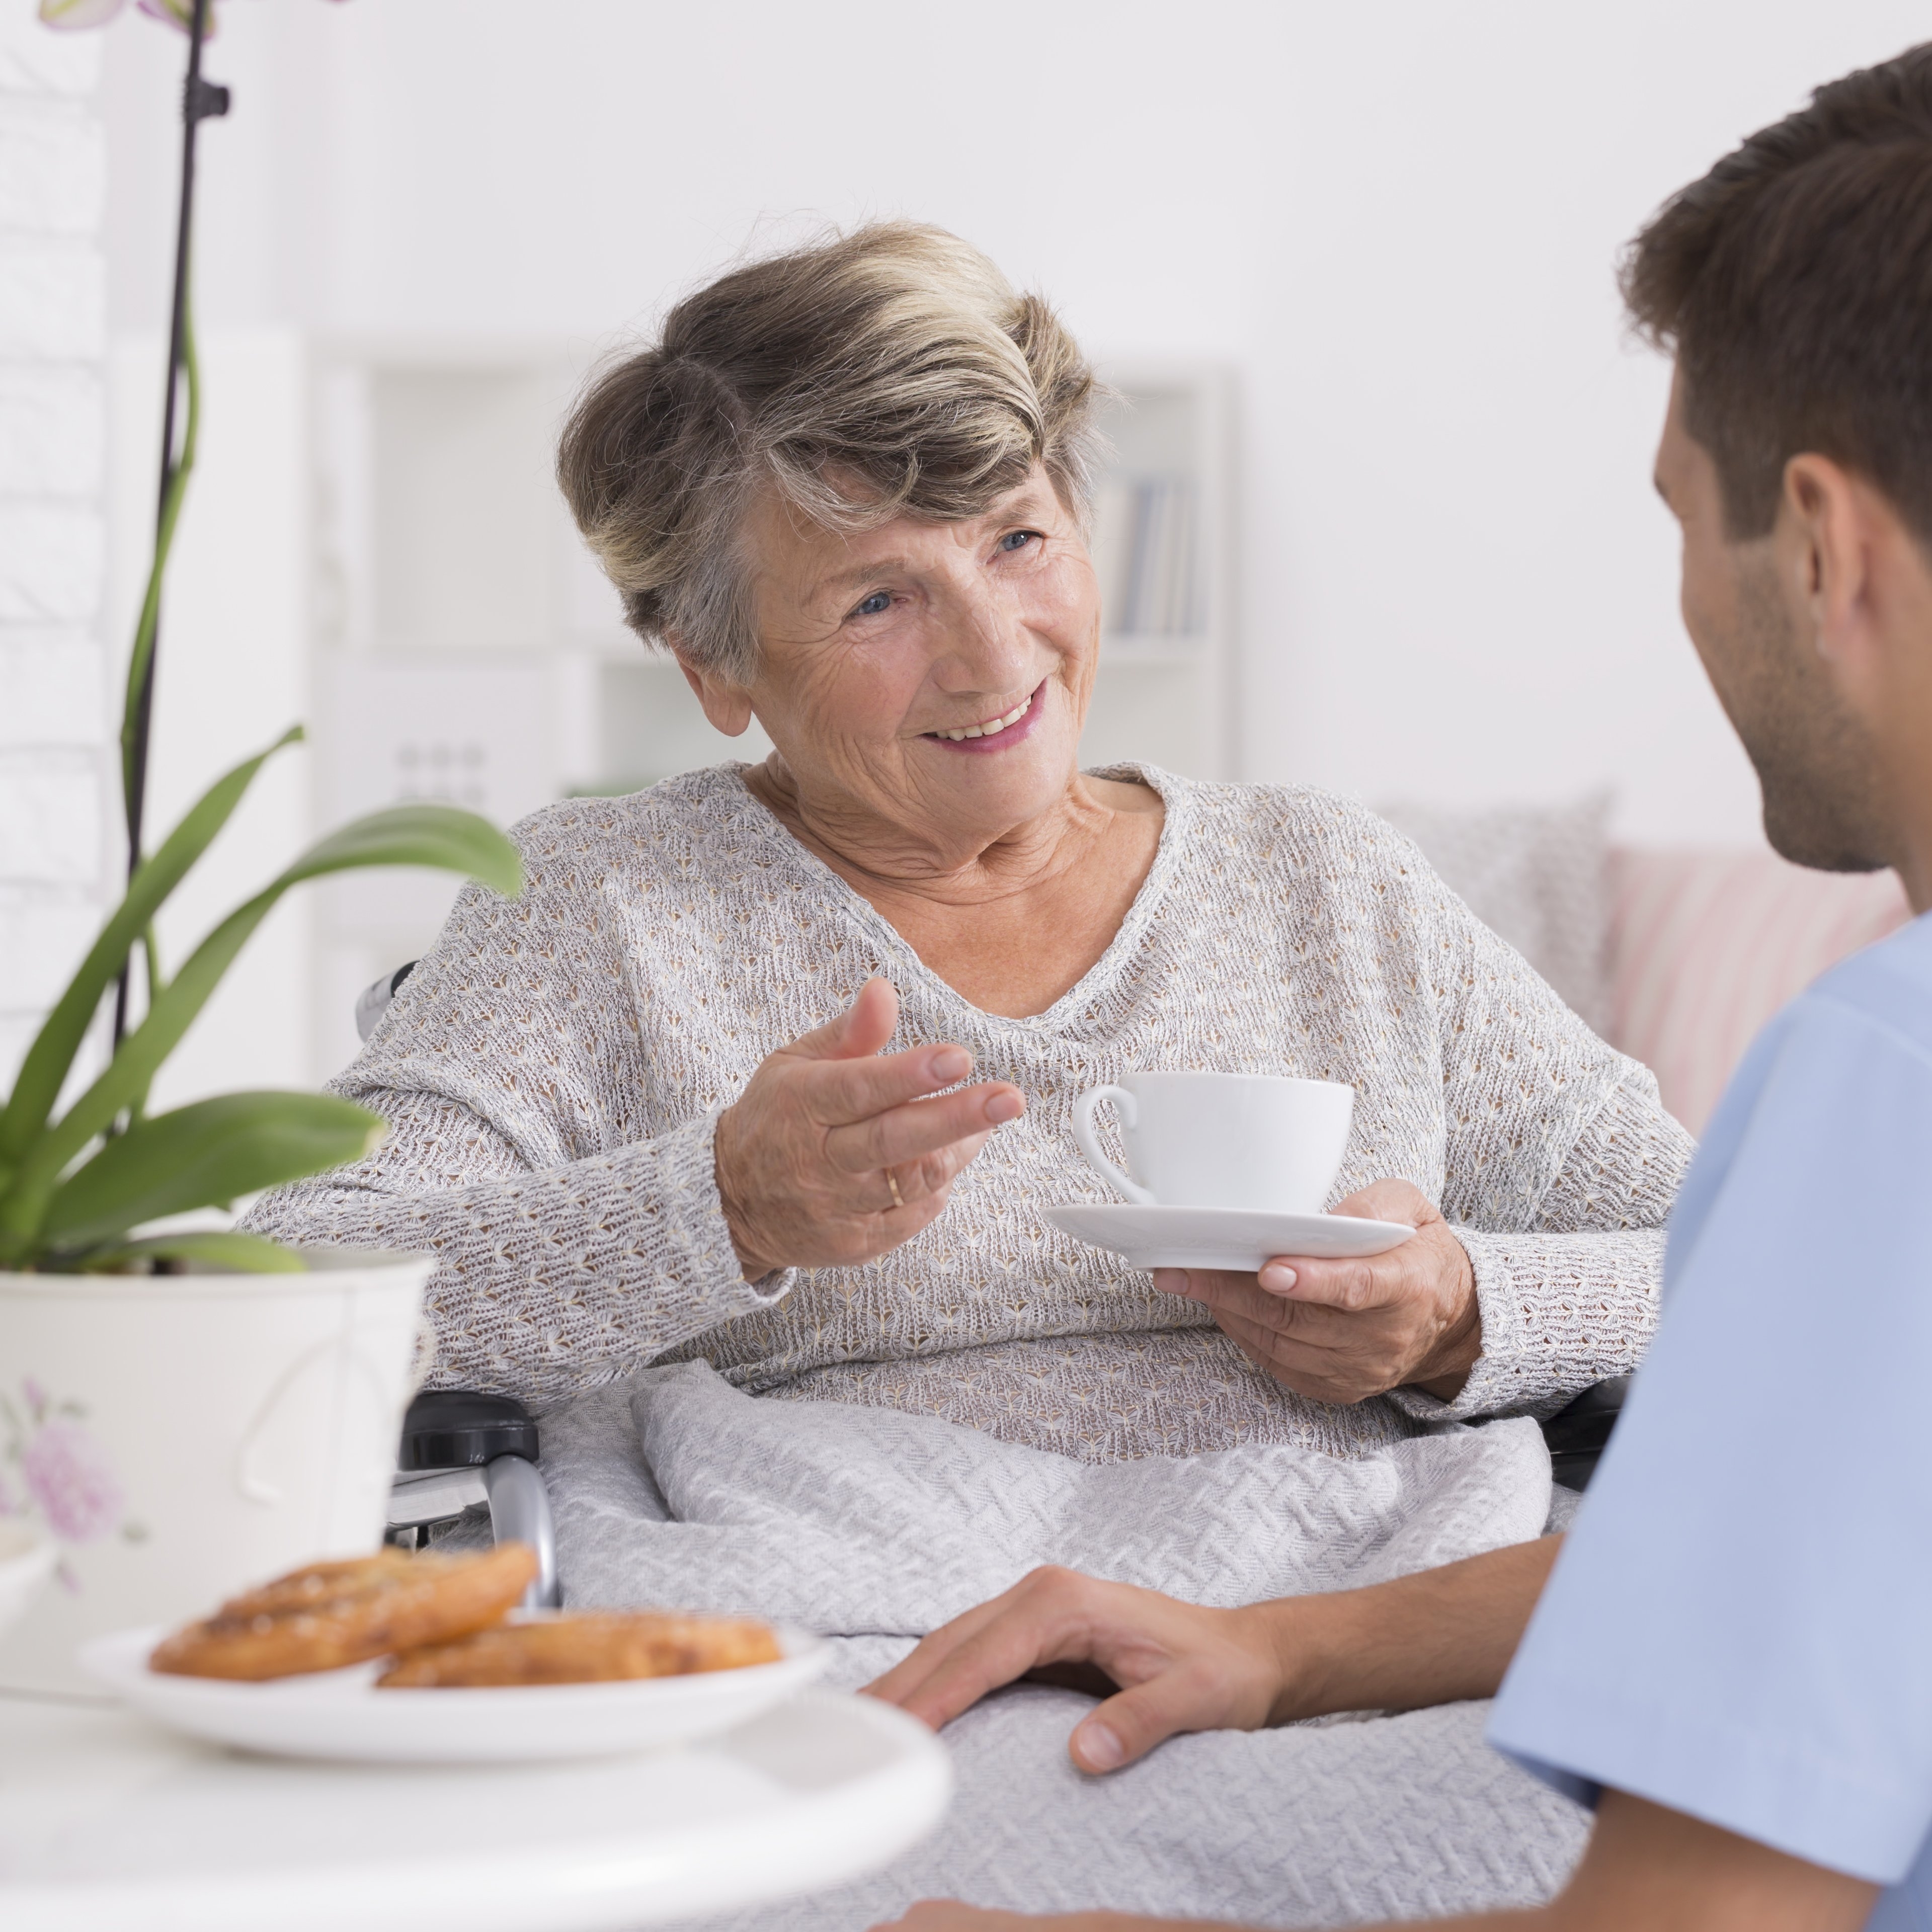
<point>107,1824</point>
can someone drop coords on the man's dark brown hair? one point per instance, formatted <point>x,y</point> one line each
<point>1794,282</point>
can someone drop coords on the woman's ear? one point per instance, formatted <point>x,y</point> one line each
<point>728,706</point>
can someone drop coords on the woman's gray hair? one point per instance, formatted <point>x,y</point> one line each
<point>890,372</point>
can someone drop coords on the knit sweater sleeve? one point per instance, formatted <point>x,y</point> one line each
<point>570,1249</point>
<point>1561,1167</point>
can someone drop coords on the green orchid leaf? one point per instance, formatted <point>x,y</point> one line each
<point>45,1069</point>
<point>223,1248</point>
<point>416,834</point>
<point>412,835</point>
<point>205,1156</point>
<point>438,835</point>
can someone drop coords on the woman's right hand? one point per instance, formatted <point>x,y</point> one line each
<point>833,1155</point>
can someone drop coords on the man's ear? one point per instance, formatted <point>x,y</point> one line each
<point>728,706</point>
<point>1830,552</point>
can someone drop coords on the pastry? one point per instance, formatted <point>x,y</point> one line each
<point>331,1614</point>
<point>589,1647</point>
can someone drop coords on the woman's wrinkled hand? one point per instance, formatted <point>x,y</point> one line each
<point>834,1154</point>
<point>1172,1667</point>
<point>1341,1331</point>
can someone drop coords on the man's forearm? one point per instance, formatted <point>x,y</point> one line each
<point>1438,1637</point>
<point>1646,1867</point>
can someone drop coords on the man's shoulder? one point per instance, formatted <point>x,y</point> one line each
<point>1888,986</point>
<point>1841,1078</point>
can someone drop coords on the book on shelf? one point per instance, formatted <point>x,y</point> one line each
<point>1144,550</point>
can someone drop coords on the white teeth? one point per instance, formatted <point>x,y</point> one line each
<point>1012,717</point>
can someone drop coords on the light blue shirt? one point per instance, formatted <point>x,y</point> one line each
<point>1740,1624</point>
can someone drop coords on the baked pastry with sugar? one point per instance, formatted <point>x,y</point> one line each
<point>588,1647</point>
<point>328,1615</point>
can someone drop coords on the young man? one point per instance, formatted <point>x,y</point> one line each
<point>1732,1657</point>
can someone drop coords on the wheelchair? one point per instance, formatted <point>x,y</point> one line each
<point>461,1449</point>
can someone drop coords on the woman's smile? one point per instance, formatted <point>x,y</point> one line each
<point>993,734</point>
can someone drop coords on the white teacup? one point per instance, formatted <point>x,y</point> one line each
<point>1255,1141</point>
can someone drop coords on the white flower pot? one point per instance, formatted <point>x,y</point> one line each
<point>27,1557</point>
<point>181,1436</point>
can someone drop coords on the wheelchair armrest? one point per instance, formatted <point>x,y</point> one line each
<point>373,1002</point>
<point>487,1446</point>
<point>1578,1435</point>
<point>459,1428</point>
<point>520,1513</point>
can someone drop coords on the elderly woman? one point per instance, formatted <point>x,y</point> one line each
<point>773,1066</point>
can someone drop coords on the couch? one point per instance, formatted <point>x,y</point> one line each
<point>1677,957</point>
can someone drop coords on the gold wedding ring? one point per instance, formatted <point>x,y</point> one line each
<point>892,1182</point>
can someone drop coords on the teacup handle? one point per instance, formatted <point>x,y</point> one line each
<point>1084,1110</point>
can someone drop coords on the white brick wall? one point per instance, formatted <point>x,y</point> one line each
<point>56,848</point>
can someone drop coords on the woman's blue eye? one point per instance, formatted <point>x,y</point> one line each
<point>879,601</point>
<point>1014,539</point>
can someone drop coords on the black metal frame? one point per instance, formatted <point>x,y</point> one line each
<point>1579,1435</point>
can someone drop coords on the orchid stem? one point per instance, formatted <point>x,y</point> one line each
<point>138,707</point>
<point>199,100</point>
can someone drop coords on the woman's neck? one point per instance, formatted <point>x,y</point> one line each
<point>1011,923</point>
<point>948,866</point>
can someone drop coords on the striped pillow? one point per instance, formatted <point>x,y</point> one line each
<point>1705,947</point>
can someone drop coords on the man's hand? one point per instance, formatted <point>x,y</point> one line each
<point>1437,1637</point>
<point>1179,1667</point>
<point>1341,1331</point>
<point>1434,1638</point>
<point>834,1154</point>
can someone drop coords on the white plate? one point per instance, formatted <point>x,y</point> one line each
<point>341,1714</point>
<point>1222,1237</point>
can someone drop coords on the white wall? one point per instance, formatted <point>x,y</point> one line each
<point>231,675</point>
<point>1396,222</point>
<point>54,763</point>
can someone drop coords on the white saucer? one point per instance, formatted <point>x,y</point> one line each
<point>341,1714</point>
<point>1222,1238</point>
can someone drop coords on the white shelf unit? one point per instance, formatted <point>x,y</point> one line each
<point>1169,695</point>
<point>465,645</point>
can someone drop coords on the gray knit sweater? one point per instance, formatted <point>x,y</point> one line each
<point>552,1072</point>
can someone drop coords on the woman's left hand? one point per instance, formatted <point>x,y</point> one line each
<point>1340,1331</point>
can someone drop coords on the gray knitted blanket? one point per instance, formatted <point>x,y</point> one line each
<point>873,1526</point>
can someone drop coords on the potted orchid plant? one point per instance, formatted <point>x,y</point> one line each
<point>187,1407</point>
